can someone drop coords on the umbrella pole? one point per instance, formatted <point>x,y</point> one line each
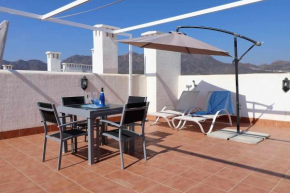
<point>236,63</point>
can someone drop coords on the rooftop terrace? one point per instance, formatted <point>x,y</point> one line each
<point>179,161</point>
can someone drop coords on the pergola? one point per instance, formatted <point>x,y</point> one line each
<point>122,32</point>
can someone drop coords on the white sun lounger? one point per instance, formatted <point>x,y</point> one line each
<point>184,104</point>
<point>198,119</point>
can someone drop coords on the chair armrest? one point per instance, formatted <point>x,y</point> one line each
<point>227,112</point>
<point>109,122</point>
<point>187,110</point>
<point>70,123</point>
<point>163,109</point>
<point>194,110</point>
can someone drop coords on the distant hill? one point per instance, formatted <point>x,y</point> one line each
<point>138,64</point>
<point>204,65</point>
<point>190,65</point>
<point>27,65</point>
<point>278,65</point>
<point>79,59</point>
<point>123,61</point>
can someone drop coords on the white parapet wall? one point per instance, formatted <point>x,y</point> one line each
<point>21,90</point>
<point>74,67</point>
<point>261,95</point>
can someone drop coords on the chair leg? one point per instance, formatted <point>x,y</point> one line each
<point>86,135</point>
<point>76,144</point>
<point>98,140</point>
<point>121,153</point>
<point>60,155</point>
<point>182,125</point>
<point>126,147</point>
<point>44,149</point>
<point>144,148</point>
<point>72,145</point>
<point>157,119</point>
<point>168,122</point>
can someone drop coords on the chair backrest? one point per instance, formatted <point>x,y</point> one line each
<point>48,114</point>
<point>186,100</point>
<point>136,99</point>
<point>134,112</point>
<point>76,100</point>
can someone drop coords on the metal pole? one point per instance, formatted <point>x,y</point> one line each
<point>236,63</point>
<point>130,70</point>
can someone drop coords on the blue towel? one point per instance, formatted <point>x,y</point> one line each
<point>218,100</point>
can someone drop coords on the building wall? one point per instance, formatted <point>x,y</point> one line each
<point>105,52</point>
<point>150,71</point>
<point>21,90</point>
<point>168,72</point>
<point>162,69</point>
<point>261,95</point>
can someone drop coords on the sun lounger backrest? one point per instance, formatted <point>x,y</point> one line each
<point>186,100</point>
<point>205,104</point>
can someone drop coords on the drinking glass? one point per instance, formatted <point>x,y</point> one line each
<point>88,98</point>
<point>95,100</point>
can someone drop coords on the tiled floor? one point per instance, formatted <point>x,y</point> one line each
<point>178,161</point>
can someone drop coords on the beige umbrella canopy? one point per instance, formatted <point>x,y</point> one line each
<point>177,42</point>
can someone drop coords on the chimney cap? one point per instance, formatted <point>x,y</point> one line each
<point>149,33</point>
<point>107,27</point>
<point>49,52</point>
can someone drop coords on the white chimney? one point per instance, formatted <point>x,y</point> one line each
<point>53,61</point>
<point>105,51</point>
<point>7,67</point>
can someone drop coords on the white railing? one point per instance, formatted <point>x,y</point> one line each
<point>74,67</point>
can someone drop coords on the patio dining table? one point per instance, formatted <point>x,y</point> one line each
<point>91,114</point>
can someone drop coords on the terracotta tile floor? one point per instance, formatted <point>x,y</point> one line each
<point>178,161</point>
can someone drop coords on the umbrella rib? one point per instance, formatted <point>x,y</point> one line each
<point>187,50</point>
<point>145,45</point>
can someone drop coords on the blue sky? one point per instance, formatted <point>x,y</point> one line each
<point>267,21</point>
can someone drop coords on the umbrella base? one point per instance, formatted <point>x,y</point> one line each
<point>248,137</point>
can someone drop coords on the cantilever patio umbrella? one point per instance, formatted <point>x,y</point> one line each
<point>3,36</point>
<point>179,42</point>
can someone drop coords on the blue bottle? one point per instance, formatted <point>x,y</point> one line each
<point>102,98</point>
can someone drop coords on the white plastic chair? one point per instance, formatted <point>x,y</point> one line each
<point>185,103</point>
<point>202,118</point>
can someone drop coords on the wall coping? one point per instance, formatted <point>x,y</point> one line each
<point>64,73</point>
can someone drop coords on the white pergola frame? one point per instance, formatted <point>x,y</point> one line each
<point>49,17</point>
<point>63,9</point>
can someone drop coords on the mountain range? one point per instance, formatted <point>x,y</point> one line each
<point>27,65</point>
<point>190,65</point>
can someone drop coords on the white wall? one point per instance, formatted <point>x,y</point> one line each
<point>168,72</point>
<point>139,85</point>
<point>261,95</point>
<point>105,54</point>
<point>162,69</point>
<point>53,61</point>
<point>21,90</point>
